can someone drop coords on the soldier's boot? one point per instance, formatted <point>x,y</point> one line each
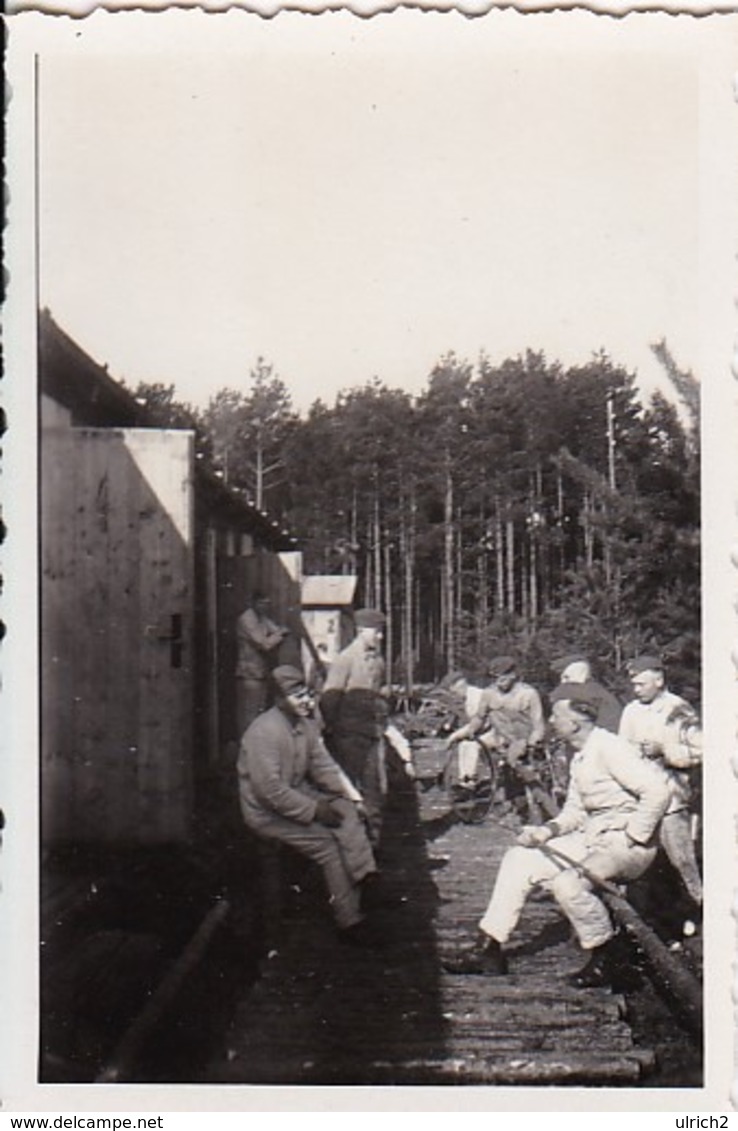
<point>485,957</point>
<point>601,969</point>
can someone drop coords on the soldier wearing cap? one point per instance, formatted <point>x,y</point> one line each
<point>664,727</point>
<point>614,803</point>
<point>292,791</point>
<point>355,713</point>
<point>576,668</point>
<point>508,719</point>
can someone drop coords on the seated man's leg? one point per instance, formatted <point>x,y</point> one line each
<point>468,760</point>
<point>521,870</point>
<point>353,842</point>
<point>320,844</point>
<point>613,858</point>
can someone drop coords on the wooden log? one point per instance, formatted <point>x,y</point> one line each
<point>515,1069</point>
<point>668,972</point>
<point>123,1058</point>
<point>673,977</point>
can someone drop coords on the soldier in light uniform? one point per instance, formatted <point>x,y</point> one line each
<point>608,825</point>
<point>664,727</point>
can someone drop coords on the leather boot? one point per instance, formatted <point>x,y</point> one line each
<point>485,957</point>
<point>598,970</point>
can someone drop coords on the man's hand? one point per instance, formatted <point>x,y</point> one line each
<point>409,769</point>
<point>533,835</point>
<point>326,815</point>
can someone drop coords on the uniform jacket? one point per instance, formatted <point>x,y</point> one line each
<point>611,786</point>
<point>351,701</point>
<point>514,716</point>
<point>279,761</point>
<point>652,723</point>
<point>676,747</point>
<point>256,639</point>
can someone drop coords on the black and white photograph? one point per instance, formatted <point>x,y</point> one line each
<point>371,444</point>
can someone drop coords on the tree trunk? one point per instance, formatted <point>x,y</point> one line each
<point>533,570</point>
<point>377,554</point>
<point>408,561</point>
<point>588,531</point>
<point>448,576</point>
<point>259,471</point>
<point>482,578</point>
<point>458,587</point>
<point>390,643</point>
<point>354,532</point>
<point>369,577</point>
<point>499,560</point>
<point>510,547</point>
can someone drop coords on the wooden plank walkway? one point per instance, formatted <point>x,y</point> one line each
<point>325,1013</point>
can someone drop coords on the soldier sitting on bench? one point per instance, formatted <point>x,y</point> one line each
<point>292,791</point>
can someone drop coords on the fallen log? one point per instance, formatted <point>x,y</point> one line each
<point>121,1063</point>
<point>668,972</point>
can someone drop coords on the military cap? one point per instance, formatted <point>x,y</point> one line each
<point>369,618</point>
<point>645,663</point>
<point>288,679</point>
<point>502,665</point>
<point>563,662</point>
<point>580,698</point>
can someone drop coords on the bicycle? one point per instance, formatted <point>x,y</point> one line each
<point>473,776</point>
<point>470,779</point>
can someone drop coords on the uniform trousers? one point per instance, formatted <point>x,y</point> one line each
<point>676,840</point>
<point>363,758</point>
<point>343,853</point>
<point>609,855</point>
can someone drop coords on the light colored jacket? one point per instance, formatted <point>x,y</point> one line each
<point>611,786</point>
<point>666,730</point>
<point>659,724</point>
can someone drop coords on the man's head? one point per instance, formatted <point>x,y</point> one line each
<point>293,693</point>
<point>261,601</point>
<point>370,625</point>
<point>459,685</point>
<point>574,668</point>
<point>574,718</point>
<point>647,677</point>
<point>503,671</point>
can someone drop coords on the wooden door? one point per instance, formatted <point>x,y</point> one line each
<point>116,635</point>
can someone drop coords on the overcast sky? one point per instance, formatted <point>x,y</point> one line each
<point>352,199</point>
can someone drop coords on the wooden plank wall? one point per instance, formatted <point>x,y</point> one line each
<point>116,567</point>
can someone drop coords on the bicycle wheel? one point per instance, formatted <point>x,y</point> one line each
<point>470,781</point>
